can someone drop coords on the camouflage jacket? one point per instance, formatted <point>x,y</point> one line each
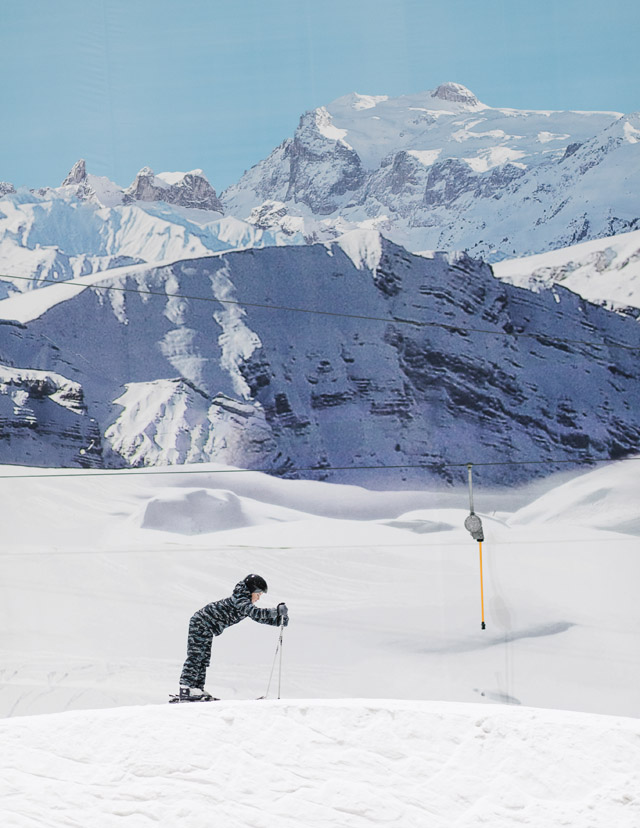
<point>228,611</point>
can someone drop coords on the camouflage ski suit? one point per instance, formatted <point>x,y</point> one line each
<point>213,620</point>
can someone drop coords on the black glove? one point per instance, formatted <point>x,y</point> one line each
<point>283,615</point>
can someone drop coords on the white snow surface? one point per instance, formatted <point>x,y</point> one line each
<point>352,764</point>
<point>100,572</point>
<point>55,236</point>
<point>396,707</point>
<point>605,271</point>
<point>363,247</point>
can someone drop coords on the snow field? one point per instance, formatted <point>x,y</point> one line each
<point>605,271</point>
<point>100,572</point>
<point>351,763</point>
<point>100,575</point>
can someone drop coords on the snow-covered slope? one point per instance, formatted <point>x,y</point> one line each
<point>605,271</point>
<point>93,225</point>
<point>191,362</point>
<point>100,572</point>
<point>280,765</point>
<point>603,499</point>
<point>440,170</point>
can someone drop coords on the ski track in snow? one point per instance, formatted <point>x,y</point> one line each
<point>351,764</point>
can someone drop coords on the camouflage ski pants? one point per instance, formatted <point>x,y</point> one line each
<point>199,641</point>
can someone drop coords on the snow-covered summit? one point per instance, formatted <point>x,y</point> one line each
<point>441,170</point>
<point>455,92</point>
<point>183,189</point>
<point>95,189</point>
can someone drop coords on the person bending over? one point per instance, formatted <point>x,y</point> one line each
<point>214,620</point>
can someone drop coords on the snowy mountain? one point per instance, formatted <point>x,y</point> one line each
<point>436,361</point>
<point>605,271</point>
<point>437,170</point>
<point>90,224</point>
<point>442,171</point>
<point>191,189</point>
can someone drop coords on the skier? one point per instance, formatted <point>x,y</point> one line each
<point>213,620</point>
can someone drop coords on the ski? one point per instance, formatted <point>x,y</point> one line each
<point>174,698</point>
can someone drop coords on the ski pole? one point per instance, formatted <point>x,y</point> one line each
<point>273,665</point>
<point>280,664</point>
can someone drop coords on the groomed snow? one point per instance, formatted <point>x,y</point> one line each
<point>351,764</point>
<point>396,708</point>
<point>100,572</point>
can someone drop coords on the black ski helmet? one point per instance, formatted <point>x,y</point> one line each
<point>255,583</point>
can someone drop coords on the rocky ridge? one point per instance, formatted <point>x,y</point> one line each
<point>440,363</point>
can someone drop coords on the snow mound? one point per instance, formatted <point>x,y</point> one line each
<point>355,763</point>
<point>606,498</point>
<point>194,512</point>
<point>200,511</point>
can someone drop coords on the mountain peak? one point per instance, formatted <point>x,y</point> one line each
<point>191,189</point>
<point>455,92</point>
<point>78,173</point>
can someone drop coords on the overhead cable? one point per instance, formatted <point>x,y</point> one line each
<point>341,314</point>
<point>274,472</point>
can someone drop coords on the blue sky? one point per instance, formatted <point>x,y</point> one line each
<point>216,85</point>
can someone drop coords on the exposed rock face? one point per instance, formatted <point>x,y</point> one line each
<point>323,168</point>
<point>6,188</point>
<point>439,362</point>
<point>455,92</point>
<point>44,420</point>
<point>190,189</point>
<point>77,175</point>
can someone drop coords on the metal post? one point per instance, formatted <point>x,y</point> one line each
<point>473,525</point>
<point>481,588</point>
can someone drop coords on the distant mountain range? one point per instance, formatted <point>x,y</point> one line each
<point>425,371</point>
<point>434,171</point>
<point>442,171</point>
<point>89,224</point>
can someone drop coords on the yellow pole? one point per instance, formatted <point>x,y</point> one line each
<point>481,585</point>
